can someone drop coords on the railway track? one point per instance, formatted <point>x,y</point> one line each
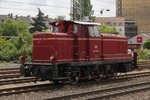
<point>45,86</point>
<point>133,75</point>
<point>143,64</point>
<point>24,89</point>
<point>106,93</point>
<point>14,72</point>
<point>31,79</point>
<point>6,73</point>
<point>12,76</point>
<point>17,80</point>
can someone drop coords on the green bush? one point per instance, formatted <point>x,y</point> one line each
<point>8,51</point>
<point>21,39</point>
<point>142,54</point>
<point>29,53</point>
<point>147,44</point>
<point>12,27</point>
<point>107,29</point>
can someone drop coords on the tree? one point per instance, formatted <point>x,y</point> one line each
<point>82,8</point>
<point>59,18</point>
<point>39,23</point>
<point>10,49</point>
<point>12,27</point>
<point>87,8</point>
<point>93,18</point>
<point>143,54</point>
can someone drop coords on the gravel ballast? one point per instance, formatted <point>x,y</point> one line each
<point>81,87</point>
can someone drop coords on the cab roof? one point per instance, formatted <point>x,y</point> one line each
<point>77,22</point>
<point>86,23</point>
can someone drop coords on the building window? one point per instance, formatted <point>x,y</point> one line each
<point>120,24</point>
<point>114,24</point>
<point>83,29</point>
<point>94,31</point>
<point>108,23</point>
<point>91,31</point>
<point>75,28</point>
<point>120,30</point>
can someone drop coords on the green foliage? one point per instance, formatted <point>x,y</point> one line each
<point>28,50</point>
<point>24,42</point>
<point>93,18</point>
<point>85,11</point>
<point>87,7</point>
<point>10,49</point>
<point>13,28</point>
<point>39,23</point>
<point>107,29</point>
<point>59,18</point>
<point>147,44</point>
<point>142,54</point>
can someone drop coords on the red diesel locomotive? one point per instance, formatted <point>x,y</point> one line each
<point>76,50</point>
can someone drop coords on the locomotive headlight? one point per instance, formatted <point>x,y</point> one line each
<point>51,58</point>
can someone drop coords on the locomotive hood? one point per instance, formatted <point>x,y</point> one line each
<point>113,36</point>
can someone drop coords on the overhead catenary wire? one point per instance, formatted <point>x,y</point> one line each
<point>105,1</point>
<point>35,4</point>
<point>27,10</point>
<point>47,5</point>
<point>32,6</point>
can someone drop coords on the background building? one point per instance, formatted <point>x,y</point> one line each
<point>130,28</point>
<point>138,40</point>
<point>27,19</point>
<point>138,10</point>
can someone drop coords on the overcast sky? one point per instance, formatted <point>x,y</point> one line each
<point>53,8</point>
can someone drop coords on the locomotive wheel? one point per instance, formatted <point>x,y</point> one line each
<point>113,76</point>
<point>55,82</point>
<point>99,77</point>
<point>74,80</point>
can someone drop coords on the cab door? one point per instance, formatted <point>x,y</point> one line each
<point>95,43</point>
<point>83,43</point>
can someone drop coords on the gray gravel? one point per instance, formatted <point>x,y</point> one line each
<point>9,65</point>
<point>70,89</point>
<point>145,95</point>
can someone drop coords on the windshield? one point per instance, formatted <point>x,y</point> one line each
<point>53,28</point>
<point>94,31</point>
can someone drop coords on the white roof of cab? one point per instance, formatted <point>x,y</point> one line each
<point>86,23</point>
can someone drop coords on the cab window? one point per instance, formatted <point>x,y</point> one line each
<point>83,30</point>
<point>75,28</point>
<point>55,29</point>
<point>93,31</point>
<point>96,31</point>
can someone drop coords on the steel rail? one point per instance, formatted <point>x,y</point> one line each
<point>105,93</point>
<point>9,68</point>
<point>16,80</point>
<point>24,89</point>
<point>31,79</point>
<point>7,76</point>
